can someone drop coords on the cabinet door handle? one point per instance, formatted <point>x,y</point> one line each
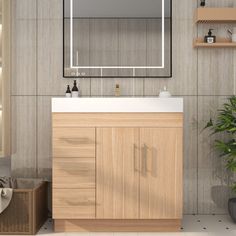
<point>154,162</point>
<point>144,159</point>
<point>136,160</point>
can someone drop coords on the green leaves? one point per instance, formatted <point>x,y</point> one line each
<point>226,123</point>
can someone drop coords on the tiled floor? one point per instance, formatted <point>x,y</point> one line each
<point>193,225</point>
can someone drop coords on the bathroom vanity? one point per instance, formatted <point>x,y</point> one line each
<point>117,164</point>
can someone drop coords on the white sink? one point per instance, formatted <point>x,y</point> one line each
<point>114,104</point>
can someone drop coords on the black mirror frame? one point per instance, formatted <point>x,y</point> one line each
<point>171,50</point>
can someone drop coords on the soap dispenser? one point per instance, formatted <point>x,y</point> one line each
<point>164,93</point>
<point>117,90</point>
<point>210,38</point>
<point>68,92</point>
<point>75,90</point>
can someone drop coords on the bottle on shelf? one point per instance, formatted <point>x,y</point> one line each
<point>117,90</point>
<point>203,3</point>
<point>75,90</point>
<point>68,92</point>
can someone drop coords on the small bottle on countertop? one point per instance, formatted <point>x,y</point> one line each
<point>117,90</point>
<point>164,93</point>
<point>68,92</point>
<point>75,90</point>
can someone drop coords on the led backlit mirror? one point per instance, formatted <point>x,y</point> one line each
<point>117,38</point>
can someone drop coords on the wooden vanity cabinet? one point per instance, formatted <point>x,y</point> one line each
<point>117,172</point>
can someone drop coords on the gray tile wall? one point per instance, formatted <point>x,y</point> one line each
<point>204,77</point>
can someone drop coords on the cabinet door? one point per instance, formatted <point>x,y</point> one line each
<point>117,187</point>
<point>161,173</point>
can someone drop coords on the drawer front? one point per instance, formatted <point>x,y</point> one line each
<point>73,142</point>
<point>74,173</point>
<point>74,203</point>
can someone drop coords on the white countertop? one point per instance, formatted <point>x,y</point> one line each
<point>114,104</point>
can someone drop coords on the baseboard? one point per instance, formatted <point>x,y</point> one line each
<point>117,225</point>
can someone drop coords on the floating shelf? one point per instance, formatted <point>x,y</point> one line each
<point>220,43</point>
<point>215,15</point>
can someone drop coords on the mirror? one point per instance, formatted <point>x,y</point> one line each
<point>117,38</point>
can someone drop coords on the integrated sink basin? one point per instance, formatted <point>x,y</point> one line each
<point>114,104</point>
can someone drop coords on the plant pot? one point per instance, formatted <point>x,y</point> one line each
<point>232,208</point>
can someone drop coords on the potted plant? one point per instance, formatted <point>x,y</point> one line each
<point>225,123</point>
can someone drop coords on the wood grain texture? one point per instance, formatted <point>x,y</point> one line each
<point>50,60</point>
<point>52,9</point>
<point>117,178</point>
<point>161,173</point>
<point>183,33</point>
<point>214,15</point>
<point>73,142</point>
<point>74,203</point>
<point>44,137</point>
<point>220,3</point>
<point>184,10</point>
<point>220,78</point>
<point>117,225</point>
<point>106,86</point>
<point>29,208</point>
<point>117,120</point>
<point>190,155</point>
<point>213,189</point>
<point>24,159</point>
<point>23,81</point>
<point>6,78</point>
<point>70,173</point>
<point>24,9</point>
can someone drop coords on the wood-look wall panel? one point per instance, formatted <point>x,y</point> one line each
<point>106,86</point>
<point>184,9</point>
<point>24,9</point>
<point>219,78</point>
<point>50,56</point>
<point>51,9</point>
<point>23,80</point>
<point>44,137</point>
<point>220,3</point>
<point>213,192</point>
<point>23,158</point>
<point>184,62</point>
<point>190,154</point>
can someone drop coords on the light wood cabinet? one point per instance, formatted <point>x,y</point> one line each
<point>117,175</point>
<point>161,173</point>
<point>117,185</point>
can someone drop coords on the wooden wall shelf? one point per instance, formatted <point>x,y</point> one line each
<point>220,43</point>
<point>215,15</point>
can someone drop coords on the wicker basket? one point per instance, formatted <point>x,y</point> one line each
<point>27,211</point>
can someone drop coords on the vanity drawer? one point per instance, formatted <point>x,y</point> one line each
<point>74,203</point>
<point>73,142</point>
<point>74,173</point>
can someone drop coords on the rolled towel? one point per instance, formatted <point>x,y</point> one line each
<point>7,182</point>
<point>5,198</point>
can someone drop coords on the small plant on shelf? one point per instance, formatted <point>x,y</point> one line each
<point>225,123</point>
